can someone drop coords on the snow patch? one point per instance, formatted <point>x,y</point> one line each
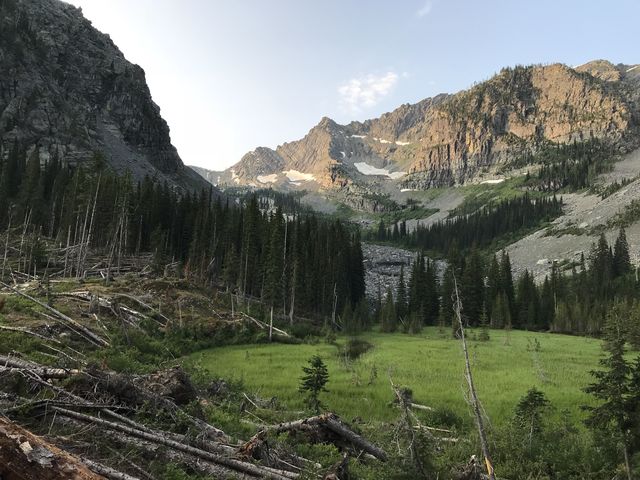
<point>357,136</point>
<point>367,169</point>
<point>408,190</point>
<point>344,154</point>
<point>493,182</point>
<point>296,176</point>
<point>396,175</point>
<point>381,140</point>
<point>267,178</point>
<point>402,144</point>
<point>633,68</point>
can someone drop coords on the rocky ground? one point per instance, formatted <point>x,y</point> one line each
<point>382,267</point>
<point>575,232</point>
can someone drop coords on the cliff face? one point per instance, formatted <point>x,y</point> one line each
<point>448,139</point>
<point>66,90</point>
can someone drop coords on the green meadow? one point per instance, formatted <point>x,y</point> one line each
<point>430,364</point>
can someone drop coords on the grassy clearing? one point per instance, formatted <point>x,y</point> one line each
<point>431,364</point>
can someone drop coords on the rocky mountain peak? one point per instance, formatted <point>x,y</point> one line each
<point>450,139</point>
<point>66,90</point>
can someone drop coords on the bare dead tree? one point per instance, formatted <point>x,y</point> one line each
<point>473,397</point>
<point>6,243</point>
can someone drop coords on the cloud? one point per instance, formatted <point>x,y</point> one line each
<point>366,92</point>
<point>426,9</point>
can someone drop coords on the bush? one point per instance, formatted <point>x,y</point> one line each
<point>304,330</point>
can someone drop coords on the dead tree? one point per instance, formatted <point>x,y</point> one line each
<point>26,456</point>
<point>473,397</point>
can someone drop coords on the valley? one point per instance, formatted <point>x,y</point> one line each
<point>448,290</point>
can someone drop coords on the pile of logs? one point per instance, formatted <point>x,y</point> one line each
<point>107,401</point>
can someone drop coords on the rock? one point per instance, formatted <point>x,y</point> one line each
<point>452,139</point>
<point>67,92</point>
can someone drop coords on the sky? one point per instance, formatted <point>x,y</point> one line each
<point>233,75</point>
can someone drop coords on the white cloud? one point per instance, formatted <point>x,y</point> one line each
<point>366,92</point>
<point>426,9</point>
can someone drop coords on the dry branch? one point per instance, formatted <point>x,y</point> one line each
<point>329,421</point>
<point>107,472</point>
<point>88,334</point>
<point>12,363</point>
<point>244,467</point>
<point>475,403</point>
<point>26,456</point>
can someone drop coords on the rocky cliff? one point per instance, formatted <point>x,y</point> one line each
<point>449,139</point>
<point>67,91</point>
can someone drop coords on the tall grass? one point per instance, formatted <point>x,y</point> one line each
<point>431,364</point>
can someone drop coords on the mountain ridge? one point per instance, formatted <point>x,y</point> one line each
<point>67,91</point>
<point>448,139</point>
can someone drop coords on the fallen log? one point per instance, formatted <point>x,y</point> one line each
<point>330,421</point>
<point>152,449</point>
<point>12,363</point>
<point>26,456</point>
<point>107,472</point>
<point>29,332</point>
<point>233,464</point>
<point>94,338</point>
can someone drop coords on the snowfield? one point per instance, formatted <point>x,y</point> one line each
<point>267,178</point>
<point>493,182</point>
<point>367,169</point>
<point>296,176</point>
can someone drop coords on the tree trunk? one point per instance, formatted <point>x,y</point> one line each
<point>475,403</point>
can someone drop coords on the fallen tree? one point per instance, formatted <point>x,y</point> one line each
<point>24,456</point>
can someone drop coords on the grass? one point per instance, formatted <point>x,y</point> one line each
<point>431,364</point>
<point>478,195</point>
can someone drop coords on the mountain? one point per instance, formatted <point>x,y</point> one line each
<point>451,139</point>
<point>66,90</point>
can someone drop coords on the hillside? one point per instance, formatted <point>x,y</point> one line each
<point>67,92</point>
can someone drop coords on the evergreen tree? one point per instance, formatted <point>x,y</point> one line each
<point>313,382</point>
<point>388,316</point>
<point>613,416</point>
<point>621,259</point>
<point>472,289</point>
<point>506,283</point>
<point>547,305</point>
<point>494,285</point>
<point>501,315</point>
<point>401,298</point>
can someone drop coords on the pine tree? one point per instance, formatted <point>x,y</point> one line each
<point>547,305</point>
<point>621,259</point>
<point>472,288</point>
<point>506,283</point>
<point>446,311</point>
<point>313,382</point>
<point>401,297</point>
<point>613,388</point>
<point>389,319</point>
<point>501,315</point>
<point>432,295</point>
<point>494,284</point>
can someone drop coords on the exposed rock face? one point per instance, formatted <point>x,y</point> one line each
<point>448,139</point>
<point>66,90</point>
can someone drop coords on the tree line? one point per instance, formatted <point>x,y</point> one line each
<point>296,263</point>
<point>480,228</point>
<point>574,299</point>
